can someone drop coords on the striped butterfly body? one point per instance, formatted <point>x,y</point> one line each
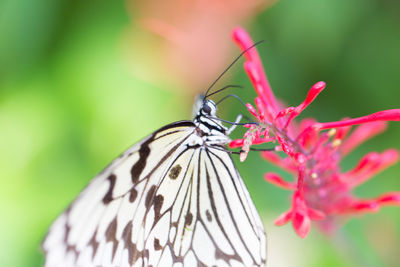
<point>173,199</point>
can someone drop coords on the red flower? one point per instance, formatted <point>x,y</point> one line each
<point>321,190</point>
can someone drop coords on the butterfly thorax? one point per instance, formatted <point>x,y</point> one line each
<point>209,127</point>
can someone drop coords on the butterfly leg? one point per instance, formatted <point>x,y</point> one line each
<point>233,127</point>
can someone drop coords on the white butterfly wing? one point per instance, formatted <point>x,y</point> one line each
<point>161,203</point>
<point>118,194</point>
<point>212,221</point>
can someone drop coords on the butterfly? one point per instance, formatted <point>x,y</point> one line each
<point>173,199</point>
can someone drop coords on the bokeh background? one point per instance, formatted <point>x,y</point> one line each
<point>80,81</point>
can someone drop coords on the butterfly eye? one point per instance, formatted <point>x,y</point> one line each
<point>207,109</point>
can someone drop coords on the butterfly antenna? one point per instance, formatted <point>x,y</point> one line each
<point>230,122</point>
<point>240,100</point>
<point>246,118</point>
<point>233,62</point>
<point>231,95</point>
<point>223,88</point>
<point>251,149</point>
<point>233,152</point>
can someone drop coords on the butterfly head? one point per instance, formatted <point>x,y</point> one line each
<point>206,118</point>
<point>204,107</point>
<point>209,108</point>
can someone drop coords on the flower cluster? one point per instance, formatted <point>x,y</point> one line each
<point>321,190</point>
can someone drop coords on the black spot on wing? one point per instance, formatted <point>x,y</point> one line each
<point>144,150</point>
<point>67,229</point>
<point>188,218</point>
<point>69,247</point>
<point>133,252</point>
<point>94,244</point>
<point>158,202</point>
<point>150,196</point>
<point>133,195</point>
<point>138,167</point>
<point>111,233</point>
<point>174,172</point>
<point>208,215</point>
<point>128,244</point>
<point>221,255</point>
<point>108,197</point>
<point>157,245</point>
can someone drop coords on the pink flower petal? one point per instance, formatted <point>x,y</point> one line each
<point>392,198</point>
<point>361,134</point>
<point>370,206</point>
<point>316,215</point>
<point>312,94</point>
<point>277,180</point>
<point>284,163</point>
<point>252,110</point>
<point>236,143</point>
<point>315,90</point>
<point>301,224</point>
<point>283,218</point>
<point>242,38</point>
<point>385,115</point>
<point>370,165</point>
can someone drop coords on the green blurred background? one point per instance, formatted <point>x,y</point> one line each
<point>78,86</point>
